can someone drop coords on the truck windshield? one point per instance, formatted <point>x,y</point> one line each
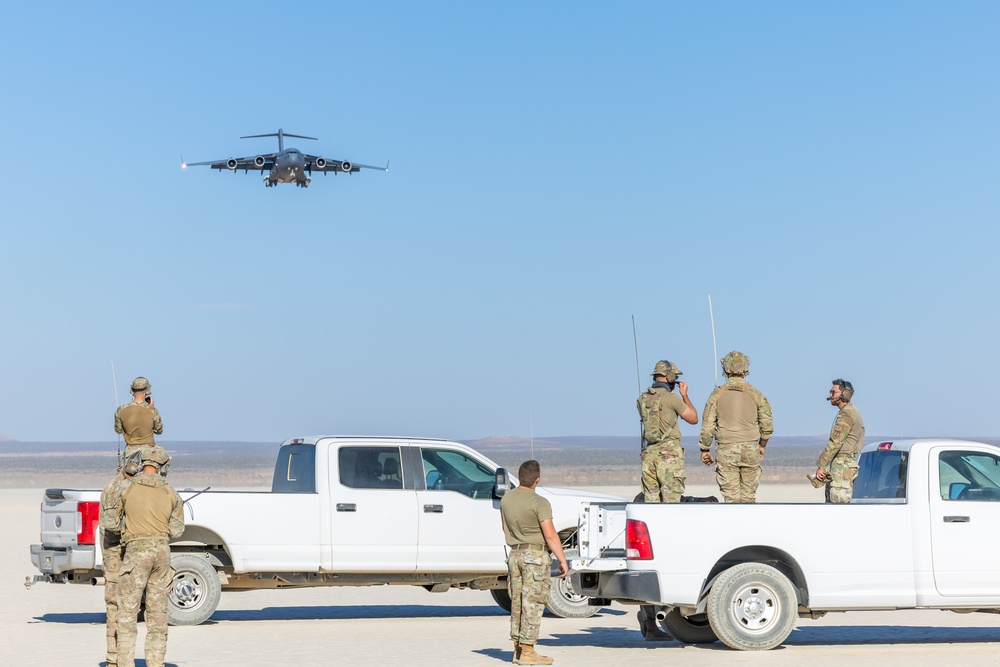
<point>881,474</point>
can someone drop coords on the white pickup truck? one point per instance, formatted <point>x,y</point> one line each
<point>342,511</point>
<point>921,532</point>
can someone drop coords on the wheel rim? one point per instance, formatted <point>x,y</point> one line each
<point>755,608</point>
<point>187,591</point>
<point>567,593</point>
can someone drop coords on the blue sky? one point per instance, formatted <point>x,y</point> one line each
<point>827,171</point>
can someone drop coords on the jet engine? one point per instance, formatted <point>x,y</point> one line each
<point>346,166</point>
<point>231,163</point>
<point>259,161</point>
<point>321,163</point>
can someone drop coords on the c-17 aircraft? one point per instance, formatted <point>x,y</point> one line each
<point>288,165</point>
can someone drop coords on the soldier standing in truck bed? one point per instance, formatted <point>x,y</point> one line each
<point>139,420</point>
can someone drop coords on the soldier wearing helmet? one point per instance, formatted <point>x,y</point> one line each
<point>139,420</point>
<point>737,416</point>
<point>150,515</point>
<point>841,453</point>
<point>662,455</point>
<point>112,549</point>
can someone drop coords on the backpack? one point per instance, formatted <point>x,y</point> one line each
<point>650,406</point>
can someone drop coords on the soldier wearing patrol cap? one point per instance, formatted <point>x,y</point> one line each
<point>738,416</point>
<point>662,455</point>
<point>841,454</point>
<point>149,515</point>
<point>139,420</point>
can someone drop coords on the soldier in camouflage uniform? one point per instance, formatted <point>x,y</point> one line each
<point>528,528</point>
<point>662,455</point>
<point>139,420</point>
<point>846,439</point>
<point>149,515</point>
<point>112,549</point>
<point>738,416</point>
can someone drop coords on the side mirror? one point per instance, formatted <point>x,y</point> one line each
<point>434,480</point>
<point>502,484</point>
<point>955,490</point>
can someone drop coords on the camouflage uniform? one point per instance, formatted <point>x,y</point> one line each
<point>112,551</point>
<point>663,457</point>
<point>153,513</point>
<point>846,438</point>
<point>138,422</point>
<point>522,512</point>
<point>745,420</point>
<point>529,583</point>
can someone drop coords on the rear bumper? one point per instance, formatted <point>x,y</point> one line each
<point>636,586</point>
<point>66,559</point>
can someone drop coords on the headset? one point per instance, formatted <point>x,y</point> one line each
<point>846,389</point>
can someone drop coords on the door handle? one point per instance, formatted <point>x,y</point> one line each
<point>437,509</point>
<point>957,519</point>
<point>347,507</point>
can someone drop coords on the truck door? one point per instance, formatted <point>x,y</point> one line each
<point>460,527</point>
<point>965,513</point>
<point>374,513</point>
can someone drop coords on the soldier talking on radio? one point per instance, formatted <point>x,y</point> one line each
<point>139,420</point>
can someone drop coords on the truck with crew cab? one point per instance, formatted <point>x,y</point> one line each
<point>342,511</point>
<point>921,532</point>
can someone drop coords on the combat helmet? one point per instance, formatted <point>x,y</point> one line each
<point>668,369</point>
<point>157,457</point>
<point>736,363</point>
<point>140,384</point>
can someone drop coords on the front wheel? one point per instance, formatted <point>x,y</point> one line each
<point>194,591</point>
<point>752,607</point>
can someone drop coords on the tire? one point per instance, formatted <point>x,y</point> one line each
<point>501,597</point>
<point>752,607</point>
<point>688,629</point>
<point>194,592</point>
<point>564,602</point>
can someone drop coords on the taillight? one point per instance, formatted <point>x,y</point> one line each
<point>90,513</point>
<point>637,544</point>
<point>882,446</point>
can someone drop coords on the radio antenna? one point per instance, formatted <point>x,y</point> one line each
<point>715,351</point>
<point>638,382</point>
<point>114,378</point>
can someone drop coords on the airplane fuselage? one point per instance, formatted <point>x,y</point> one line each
<point>289,167</point>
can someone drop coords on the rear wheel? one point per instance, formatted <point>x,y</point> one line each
<point>194,591</point>
<point>689,629</point>
<point>752,607</point>
<point>565,602</point>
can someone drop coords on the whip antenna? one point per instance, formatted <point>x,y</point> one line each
<point>638,383</point>
<point>715,351</point>
<point>114,378</point>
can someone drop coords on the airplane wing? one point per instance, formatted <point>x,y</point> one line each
<point>319,163</point>
<point>252,163</point>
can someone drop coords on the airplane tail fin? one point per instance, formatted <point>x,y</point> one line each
<point>280,134</point>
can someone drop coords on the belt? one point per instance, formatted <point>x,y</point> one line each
<point>526,547</point>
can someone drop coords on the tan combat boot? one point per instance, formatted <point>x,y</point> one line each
<point>517,653</point>
<point>529,657</point>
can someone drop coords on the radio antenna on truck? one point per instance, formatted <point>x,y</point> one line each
<point>715,351</point>
<point>114,378</point>
<point>638,381</point>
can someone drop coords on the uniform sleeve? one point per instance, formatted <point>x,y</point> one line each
<point>675,402</point>
<point>118,421</point>
<point>157,422</point>
<point>176,525</point>
<point>109,508</point>
<point>764,421</point>
<point>544,510</point>
<point>838,435</point>
<point>709,421</point>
